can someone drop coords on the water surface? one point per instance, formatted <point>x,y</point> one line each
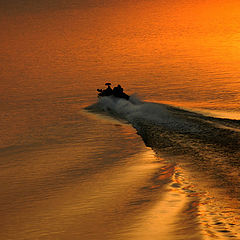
<point>150,171</point>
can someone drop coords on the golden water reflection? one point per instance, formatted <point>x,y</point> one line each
<point>185,53</point>
<point>167,51</point>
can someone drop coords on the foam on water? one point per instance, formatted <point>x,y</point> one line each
<point>169,117</point>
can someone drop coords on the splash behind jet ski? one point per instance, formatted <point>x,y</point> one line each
<point>116,92</point>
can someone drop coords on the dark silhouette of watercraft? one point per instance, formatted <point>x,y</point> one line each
<point>115,92</point>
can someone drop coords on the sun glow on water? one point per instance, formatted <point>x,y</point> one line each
<point>68,174</point>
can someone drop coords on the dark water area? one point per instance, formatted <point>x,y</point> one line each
<point>164,165</point>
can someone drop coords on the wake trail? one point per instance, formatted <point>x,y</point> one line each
<point>207,143</point>
<point>205,148</point>
<point>155,117</point>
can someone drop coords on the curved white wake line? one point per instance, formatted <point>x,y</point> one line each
<point>135,110</point>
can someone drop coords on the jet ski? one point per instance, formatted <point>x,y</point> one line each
<point>115,92</point>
